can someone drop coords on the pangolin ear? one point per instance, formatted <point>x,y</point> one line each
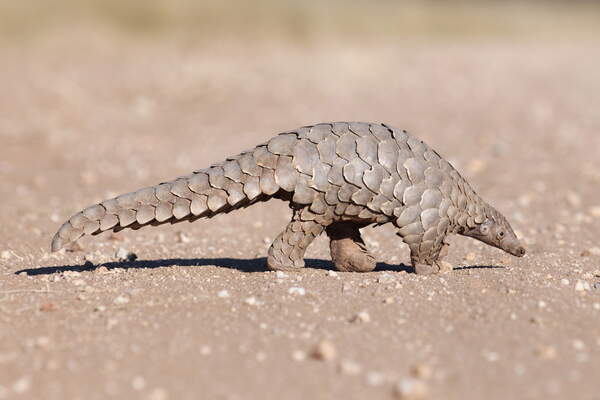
<point>484,229</point>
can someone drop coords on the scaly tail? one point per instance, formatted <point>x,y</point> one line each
<point>255,175</point>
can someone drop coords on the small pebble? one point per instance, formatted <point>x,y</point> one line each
<point>121,300</point>
<point>47,307</point>
<point>205,350</point>
<point>223,294</point>
<point>525,200</point>
<point>251,301</point>
<point>182,237</point>
<point>574,199</point>
<point>125,255</point>
<point>349,367</point>
<point>421,371</point>
<point>281,275</point>
<point>362,317</point>
<point>546,352</point>
<point>542,304</point>
<point>324,351</point>
<point>332,273</point>
<point>476,165</point>
<point>71,274</point>
<point>102,270</point>
<point>595,251</point>
<point>491,356</point>
<point>385,278</point>
<point>410,389</point>
<point>578,344</point>
<point>22,385</point>
<point>581,286</point>
<point>138,383</point>
<point>42,341</point>
<point>298,355</point>
<point>375,378</point>
<point>158,394</point>
<point>299,291</point>
<point>5,255</point>
<point>519,370</point>
<point>564,282</point>
<point>470,256</point>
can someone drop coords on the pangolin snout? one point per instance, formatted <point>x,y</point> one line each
<point>518,251</point>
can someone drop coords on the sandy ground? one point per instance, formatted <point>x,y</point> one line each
<point>197,316</point>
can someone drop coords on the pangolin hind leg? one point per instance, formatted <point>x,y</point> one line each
<point>348,250</point>
<point>288,248</point>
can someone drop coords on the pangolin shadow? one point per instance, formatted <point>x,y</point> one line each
<point>243,265</point>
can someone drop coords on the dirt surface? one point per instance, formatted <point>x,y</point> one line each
<point>197,315</point>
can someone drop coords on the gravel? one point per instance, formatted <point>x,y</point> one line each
<point>503,113</point>
<point>125,255</point>
<point>324,351</point>
<point>361,317</point>
<point>297,291</point>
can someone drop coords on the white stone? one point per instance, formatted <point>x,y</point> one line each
<point>362,316</point>
<point>281,275</point>
<point>375,378</point>
<point>121,300</point>
<point>325,351</point>
<point>410,389</point>
<point>22,385</point>
<point>138,383</point>
<point>580,286</point>
<point>298,355</point>
<point>251,301</point>
<point>295,290</point>
<point>349,367</point>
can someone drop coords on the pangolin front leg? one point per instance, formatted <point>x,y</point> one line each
<point>288,248</point>
<point>348,250</point>
<point>427,258</point>
<point>444,266</point>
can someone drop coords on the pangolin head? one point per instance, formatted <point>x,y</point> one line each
<point>496,231</point>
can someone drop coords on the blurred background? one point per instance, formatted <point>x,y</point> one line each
<point>305,21</point>
<point>102,97</point>
<point>142,76</point>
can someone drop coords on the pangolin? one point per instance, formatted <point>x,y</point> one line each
<point>337,177</point>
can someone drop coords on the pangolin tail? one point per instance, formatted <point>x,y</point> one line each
<point>236,183</point>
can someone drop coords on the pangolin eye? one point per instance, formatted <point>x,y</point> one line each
<point>501,234</point>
